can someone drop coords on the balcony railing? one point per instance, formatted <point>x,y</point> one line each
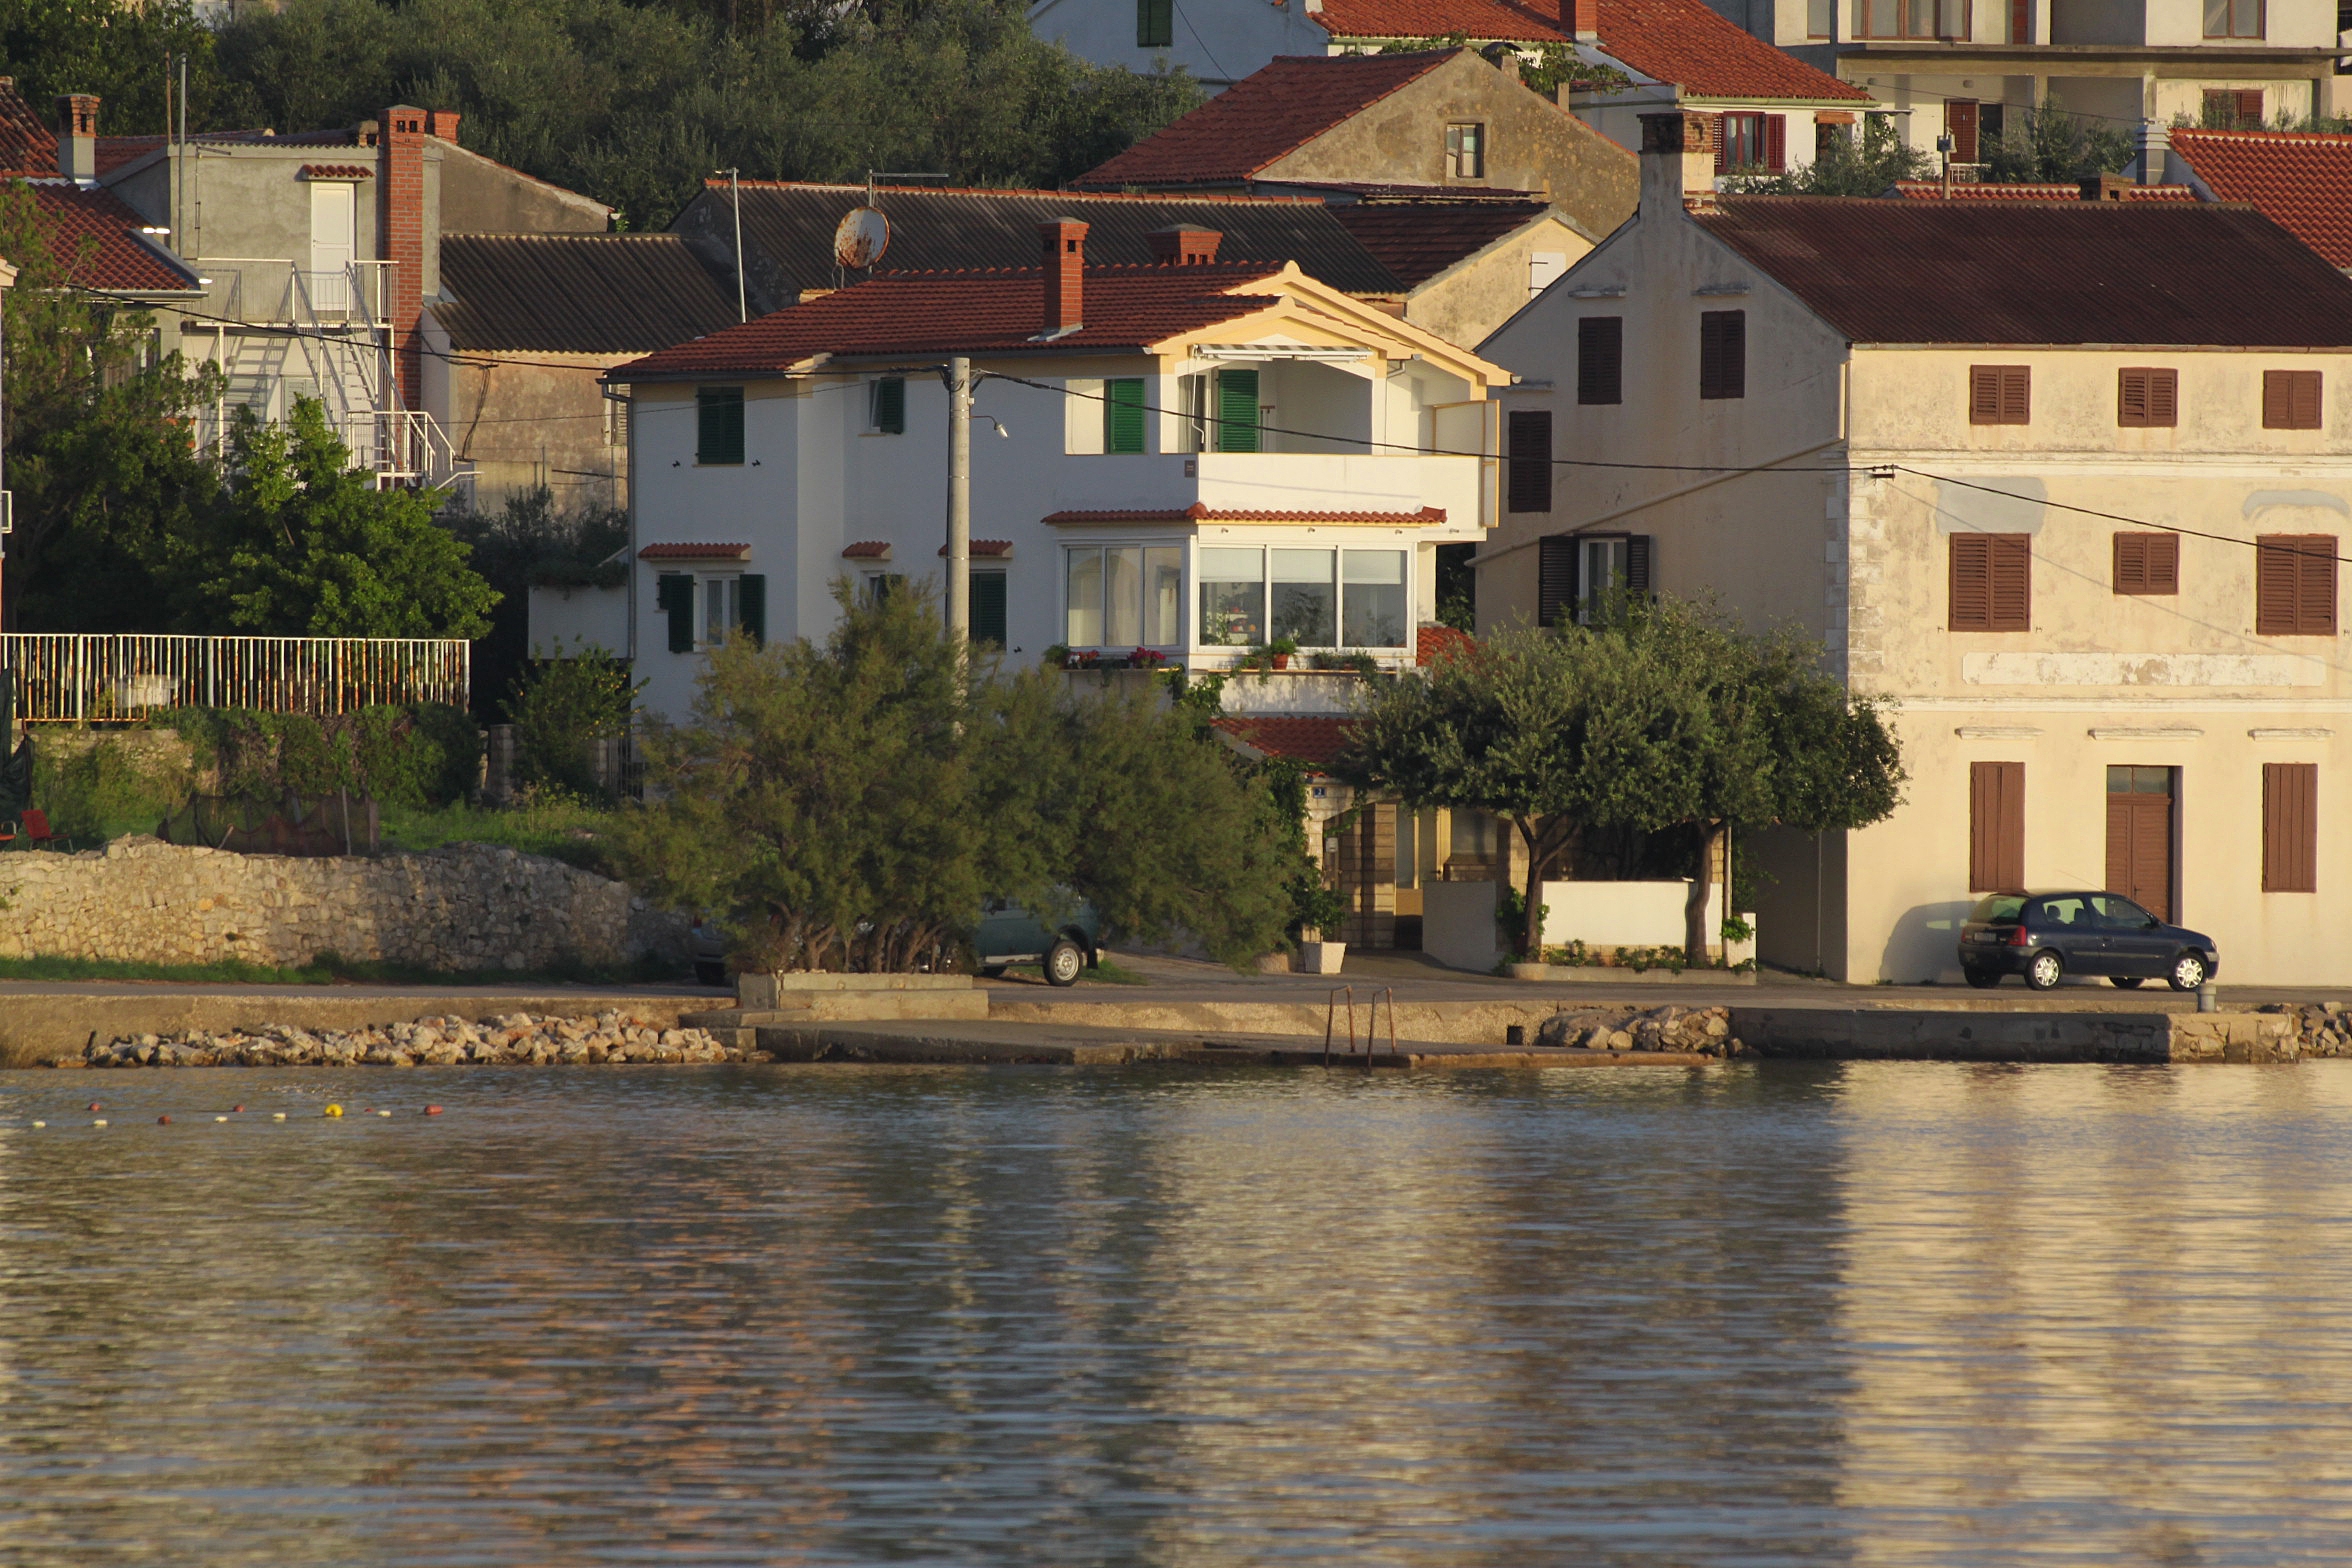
<point>70,678</point>
<point>272,290</point>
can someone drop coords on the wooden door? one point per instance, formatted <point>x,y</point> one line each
<point>2139,837</point>
<point>1960,120</point>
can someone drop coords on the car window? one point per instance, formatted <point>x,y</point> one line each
<point>1999,909</point>
<point>2070,911</point>
<point>2121,913</point>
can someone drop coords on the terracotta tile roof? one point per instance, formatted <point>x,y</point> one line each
<point>1317,742</point>
<point>695,552</point>
<point>1480,21</point>
<point>2301,183</point>
<point>867,550</point>
<point>1198,513</point>
<point>1263,117</point>
<point>1933,190</point>
<point>1685,42</point>
<point>578,293</point>
<point>1417,242</point>
<point>1435,642</point>
<point>2158,273</point>
<point>908,313</point>
<point>97,240</point>
<point>27,145</point>
<point>987,549</point>
<point>337,171</point>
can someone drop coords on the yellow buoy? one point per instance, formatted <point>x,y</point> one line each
<point>100,1122</point>
<point>334,1110</point>
<point>220,1118</point>
<point>277,1116</point>
<point>40,1124</point>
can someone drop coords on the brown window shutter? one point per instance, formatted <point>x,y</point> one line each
<point>1640,560</point>
<point>1776,142</point>
<point>2274,587</point>
<point>2295,585</point>
<point>2290,400</point>
<point>2131,400</point>
<point>1996,827</point>
<point>2147,396</point>
<point>2163,563</point>
<point>1715,134</point>
<point>1530,462</point>
<point>1600,359</point>
<point>1555,579</point>
<point>2131,563</point>
<point>1723,353</point>
<point>2249,108</point>
<point>1972,578</point>
<point>2016,395</point>
<point>2305,403</point>
<point>2290,827</point>
<point>2011,563</point>
<point>2000,395</point>
<point>2164,398</point>
<point>2315,586</point>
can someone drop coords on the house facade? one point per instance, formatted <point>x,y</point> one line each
<point>1181,461</point>
<point>2071,507</point>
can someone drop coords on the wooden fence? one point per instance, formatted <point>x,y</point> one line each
<point>68,678</point>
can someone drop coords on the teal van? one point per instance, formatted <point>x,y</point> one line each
<point>1006,935</point>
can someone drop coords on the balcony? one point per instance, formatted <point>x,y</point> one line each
<point>273,291</point>
<point>1404,485</point>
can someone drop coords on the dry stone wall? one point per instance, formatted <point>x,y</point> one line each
<point>465,907</point>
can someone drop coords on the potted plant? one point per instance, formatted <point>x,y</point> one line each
<point>1317,909</point>
<point>1146,659</point>
<point>1278,652</point>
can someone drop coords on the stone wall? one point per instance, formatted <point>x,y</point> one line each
<point>465,907</point>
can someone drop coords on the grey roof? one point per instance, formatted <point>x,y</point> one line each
<point>578,293</point>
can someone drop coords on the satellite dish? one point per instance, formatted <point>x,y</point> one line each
<point>862,238</point>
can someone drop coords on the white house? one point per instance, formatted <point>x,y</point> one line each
<point>1186,460</point>
<point>2070,501</point>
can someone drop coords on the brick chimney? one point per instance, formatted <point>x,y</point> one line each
<point>1064,244</point>
<point>1183,245</point>
<point>2106,187</point>
<point>77,137</point>
<point>1677,162</point>
<point>400,191</point>
<point>1581,20</point>
<point>442,123</point>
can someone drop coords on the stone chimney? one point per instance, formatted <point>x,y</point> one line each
<point>1677,162</point>
<point>400,195</point>
<point>77,137</point>
<point>1581,20</point>
<point>1183,245</point>
<point>2154,166</point>
<point>442,123</point>
<point>1063,241</point>
<point>2106,187</point>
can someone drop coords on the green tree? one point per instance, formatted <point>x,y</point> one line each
<point>1659,717</point>
<point>115,50</point>
<point>560,706</point>
<point>1844,166</point>
<point>2049,145</point>
<point>301,544</point>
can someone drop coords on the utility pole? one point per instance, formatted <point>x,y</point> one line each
<point>959,501</point>
<point>735,189</point>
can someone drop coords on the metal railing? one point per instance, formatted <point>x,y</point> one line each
<point>70,678</point>
<point>1331,1007</point>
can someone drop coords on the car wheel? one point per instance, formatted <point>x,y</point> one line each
<point>1063,961</point>
<point>2127,982</point>
<point>2188,971</point>
<point>2045,971</point>
<point>1982,979</point>
<point>992,971</point>
<point>708,972</point>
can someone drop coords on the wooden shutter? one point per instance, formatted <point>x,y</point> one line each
<point>1639,555</point>
<point>1991,583</point>
<point>1717,125</point>
<point>1556,587</point>
<point>1996,827</point>
<point>718,424</point>
<point>1531,460</point>
<point>751,605</point>
<point>1237,411</point>
<point>1776,142</point>
<point>2000,395</point>
<point>2147,396</point>
<point>2147,563</point>
<point>1600,359</point>
<point>1155,24</point>
<point>2021,21</point>
<point>673,595</point>
<point>2295,585</point>
<point>1123,414</point>
<point>2290,400</point>
<point>890,405</point>
<point>1723,353</point>
<point>986,600</point>
<point>2290,827</point>
<point>2249,108</point>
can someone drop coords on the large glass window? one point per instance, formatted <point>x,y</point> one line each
<point>722,605</point>
<point>1124,596</point>
<point>1232,597</point>
<point>1084,628</point>
<point>1306,600</point>
<point>1373,613</point>
<point>2233,19</point>
<point>1911,18</point>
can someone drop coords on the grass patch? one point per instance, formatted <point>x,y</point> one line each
<point>1108,973</point>
<point>327,969</point>
<point>561,829</point>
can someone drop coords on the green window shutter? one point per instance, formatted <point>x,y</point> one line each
<point>1123,414</point>
<point>890,405</point>
<point>987,602</point>
<point>1155,24</point>
<point>1237,411</point>
<point>718,416</point>
<point>673,595</point>
<point>751,606</point>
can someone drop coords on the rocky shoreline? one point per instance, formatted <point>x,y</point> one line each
<point>1701,1031</point>
<point>513,1040</point>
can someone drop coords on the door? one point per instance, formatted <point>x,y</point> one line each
<point>2134,940</point>
<point>1960,124</point>
<point>2139,837</point>
<point>2068,923</point>
<point>334,245</point>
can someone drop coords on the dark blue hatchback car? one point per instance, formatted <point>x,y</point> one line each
<point>2048,936</point>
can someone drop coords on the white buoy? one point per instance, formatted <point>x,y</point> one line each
<point>40,1124</point>
<point>100,1122</point>
<point>220,1118</point>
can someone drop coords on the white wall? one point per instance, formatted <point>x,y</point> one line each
<point>1218,43</point>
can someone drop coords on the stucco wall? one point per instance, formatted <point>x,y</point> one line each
<point>1218,44</point>
<point>468,907</point>
<point>479,196</point>
<point>1470,301</point>
<point>524,422</point>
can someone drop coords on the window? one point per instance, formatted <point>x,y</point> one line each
<point>1723,353</point>
<point>1828,130</point>
<point>718,425</point>
<point>1124,596</point>
<point>2232,109</point>
<point>1122,410</point>
<point>1317,598</point>
<point>2000,395</point>
<point>1747,142</point>
<point>722,608</point>
<point>2233,19</point>
<point>1232,597</point>
<point>1947,19</point>
<point>2295,585</point>
<point>1155,24</point>
<point>1996,826</point>
<point>2147,397</point>
<point>1372,608</point>
<point>1531,460</point>
<point>2147,563</point>
<point>2020,32</point>
<point>616,422</point>
<point>1600,359</point>
<point>2290,400</point>
<point>703,612</point>
<point>1992,583</point>
<point>1578,575</point>
<point>1237,410</point>
<point>1465,152</point>
<point>986,608</point>
<point>1305,604</point>
<point>2290,827</point>
<point>887,412</point>
<point>880,587</point>
<point>1820,18</point>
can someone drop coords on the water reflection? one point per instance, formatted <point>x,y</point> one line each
<point>1888,1314</point>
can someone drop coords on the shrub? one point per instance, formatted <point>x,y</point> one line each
<point>559,707</point>
<point>417,754</point>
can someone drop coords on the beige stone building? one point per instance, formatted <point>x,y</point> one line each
<point>2065,484</point>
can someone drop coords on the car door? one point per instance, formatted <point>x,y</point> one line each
<point>2135,939</point>
<point>2068,923</point>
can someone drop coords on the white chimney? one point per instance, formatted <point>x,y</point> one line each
<point>1677,162</point>
<point>77,137</point>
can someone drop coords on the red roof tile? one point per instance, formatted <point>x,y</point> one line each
<point>27,146</point>
<point>987,549</point>
<point>1198,513</point>
<point>1685,42</point>
<point>96,238</point>
<point>1316,742</point>
<point>866,550</point>
<point>2157,273</point>
<point>695,552</point>
<point>2301,183</point>
<point>337,171</point>
<point>906,313</point>
<point>1480,21</point>
<point>1263,117</point>
<point>1436,642</point>
<point>1933,190</point>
